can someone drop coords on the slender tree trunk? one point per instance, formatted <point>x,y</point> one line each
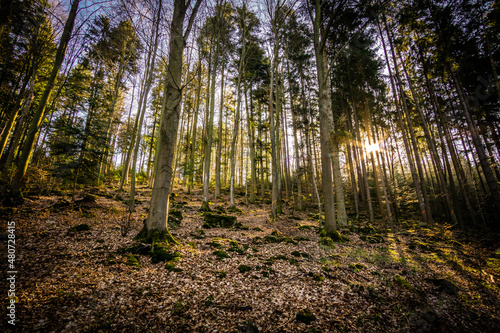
<point>156,226</point>
<point>219,143</point>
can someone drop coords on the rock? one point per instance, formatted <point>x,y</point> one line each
<point>218,221</point>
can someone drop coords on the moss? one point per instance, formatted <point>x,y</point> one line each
<point>244,268</point>
<point>357,267</point>
<point>218,221</point>
<point>110,260</point>
<point>257,229</point>
<point>220,209</point>
<point>221,254</point>
<point>155,236</point>
<point>160,253</point>
<point>276,233</point>
<point>132,261</point>
<point>191,244</point>
<point>305,227</point>
<point>137,248</point>
<point>240,226</point>
<point>215,245</point>
<point>301,239</point>
<point>170,266</point>
<point>233,243</point>
<point>373,239</point>
<point>300,254</point>
<point>220,274</point>
<point>174,218</point>
<point>401,281</point>
<point>368,229</point>
<point>234,209</point>
<point>316,277</point>
<point>334,236</point>
<point>305,316</point>
<point>326,242</point>
<point>80,227</point>
<point>416,244</point>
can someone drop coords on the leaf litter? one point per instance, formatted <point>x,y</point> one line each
<point>77,279</point>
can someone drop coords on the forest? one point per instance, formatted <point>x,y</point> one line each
<point>250,165</point>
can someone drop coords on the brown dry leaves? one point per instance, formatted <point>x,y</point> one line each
<point>78,282</point>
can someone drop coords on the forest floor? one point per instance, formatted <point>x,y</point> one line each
<point>275,278</point>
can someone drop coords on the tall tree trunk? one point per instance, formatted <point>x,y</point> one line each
<point>156,227</point>
<point>219,143</point>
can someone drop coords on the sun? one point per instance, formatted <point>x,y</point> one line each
<point>372,147</point>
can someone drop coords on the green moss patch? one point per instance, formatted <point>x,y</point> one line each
<point>401,281</point>
<point>244,268</point>
<point>326,243</point>
<point>334,236</point>
<point>161,252</point>
<point>240,226</point>
<point>416,244</point>
<point>132,261</point>
<point>221,254</point>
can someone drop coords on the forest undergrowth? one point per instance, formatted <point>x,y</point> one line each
<point>80,270</point>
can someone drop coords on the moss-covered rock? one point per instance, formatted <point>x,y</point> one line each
<point>305,316</point>
<point>221,254</point>
<point>218,221</point>
<point>244,268</point>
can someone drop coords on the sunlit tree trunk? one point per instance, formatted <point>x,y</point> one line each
<point>156,224</point>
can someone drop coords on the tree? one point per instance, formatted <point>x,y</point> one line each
<point>156,227</point>
<point>40,111</point>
